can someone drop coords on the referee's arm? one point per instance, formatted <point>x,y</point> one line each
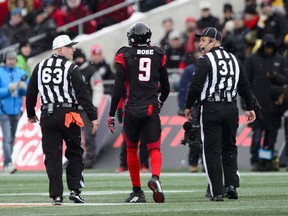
<point>197,83</point>
<point>244,89</point>
<point>82,94</point>
<point>32,93</point>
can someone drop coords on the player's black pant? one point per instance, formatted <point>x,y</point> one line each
<point>219,123</point>
<point>53,133</point>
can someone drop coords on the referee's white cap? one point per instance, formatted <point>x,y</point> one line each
<point>62,41</point>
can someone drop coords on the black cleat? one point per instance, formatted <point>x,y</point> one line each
<point>231,192</point>
<point>155,185</point>
<point>136,198</point>
<point>57,200</point>
<point>75,195</point>
<point>217,198</point>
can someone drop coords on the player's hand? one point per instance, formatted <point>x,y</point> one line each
<point>34,119</point>
<point>111,123</point>
<point>188,113</point>
<point>161,103</point>
<point>250,116</point>
<point>95,126</point>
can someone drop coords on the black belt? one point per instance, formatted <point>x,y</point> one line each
<point>58,105</point>
<point>211,99</point>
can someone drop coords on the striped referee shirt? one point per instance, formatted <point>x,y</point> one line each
<point>219,71</point>
<point>58,80</point>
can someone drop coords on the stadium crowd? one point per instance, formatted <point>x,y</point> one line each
<point>256,34</point>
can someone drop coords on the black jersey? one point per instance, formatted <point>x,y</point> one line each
<point>139,70</point>
<point>58,81</point>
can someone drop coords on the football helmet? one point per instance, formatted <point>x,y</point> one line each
<point>139,34</point>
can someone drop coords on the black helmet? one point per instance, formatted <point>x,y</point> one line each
<point>139,34</point>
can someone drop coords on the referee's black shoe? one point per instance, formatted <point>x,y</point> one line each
<point>138,197</point>
<point>217,198</point>
<point>208,192</point>
<point>231,192</point>
<point>75,195</point>
<point>57,200</point>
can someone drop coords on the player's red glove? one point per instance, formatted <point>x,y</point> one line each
<point>111,124</point>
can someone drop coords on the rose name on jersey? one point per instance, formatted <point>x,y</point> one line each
<point>145,52</point>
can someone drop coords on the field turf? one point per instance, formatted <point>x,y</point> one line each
<point>26,193</point>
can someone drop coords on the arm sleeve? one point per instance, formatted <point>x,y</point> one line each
<point>197,83</point>
<point>244,89</point>
<point>32,93</point>
<point>118,89</point>
<point>82,94</point>
<point>164,83</point>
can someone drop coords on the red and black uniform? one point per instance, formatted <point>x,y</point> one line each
<point>138,72</point>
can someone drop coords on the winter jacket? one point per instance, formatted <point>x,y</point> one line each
<point>11,103</point>
<point>259,68</point>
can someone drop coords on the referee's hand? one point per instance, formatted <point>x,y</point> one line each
<point>95,126</point>
<point>188,113</point>
<point>250,116</point>
<point>33,119</point>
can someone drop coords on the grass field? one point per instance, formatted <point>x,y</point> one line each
<point>26,193</point>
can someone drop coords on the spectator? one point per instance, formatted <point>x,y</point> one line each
<point>188,36</point>
<point>92,5</point>
<point>207,19</point>
<point>43,24</point>
<point>102,67</point>
<point>26,6</point>
<point>234,40</point>
<point>94,84</point>
<point>273,23</point>
<point>175,51</point>
<point>13,85</point>
<point>23,55</point>
<point>54,10</point>
<point>4,11</point>
<point>266,71</point>
<point>185,79</point>
<point>16,29</point>
<point>4,42</point>
<point>228,14</point>
<point>145,6</point>
<point>113,17</point>
<point>167,24</point>
<point>75,11</point>
<point>251,19</point>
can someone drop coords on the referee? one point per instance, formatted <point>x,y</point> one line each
<point>218,78</point>
<point>61,89</point>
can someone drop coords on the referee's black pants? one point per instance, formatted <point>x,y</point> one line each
<point>53,133</point>
<point>219,123</point>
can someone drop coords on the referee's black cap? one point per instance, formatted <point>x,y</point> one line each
<point>210,32</point>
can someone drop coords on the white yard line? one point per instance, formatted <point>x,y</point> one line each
<point>16,175</point>
<point>95,193</point>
